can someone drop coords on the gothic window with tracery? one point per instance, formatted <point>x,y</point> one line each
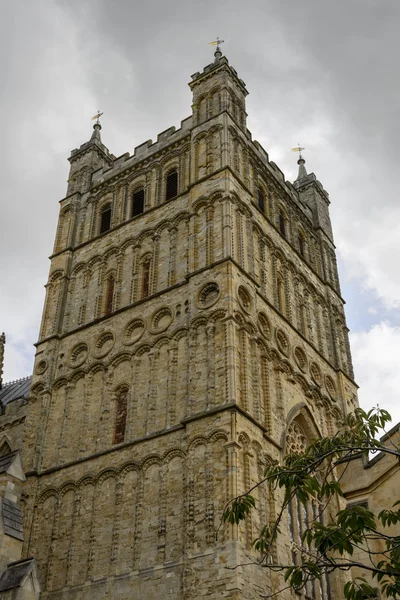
<point>301,516</point>
<point>301,243</point>
<point>120,417</point>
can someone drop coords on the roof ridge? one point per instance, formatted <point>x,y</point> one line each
<point>8,383</point>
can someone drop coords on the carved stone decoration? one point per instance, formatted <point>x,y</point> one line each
<point>244,298</point>
<point>300,358</point>
<point>330,387</point>
<point>296,439</point>
<point>161,320</point>
<point>208,295</point>
<point>103,345</point>
<point>264,325</point>
<point>78,355</point>
<point>282,342</point>
<point>41,367</point>
<point>133,331</point>
<point>316,374</point>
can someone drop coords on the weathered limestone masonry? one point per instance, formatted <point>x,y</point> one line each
<point>192,323</point>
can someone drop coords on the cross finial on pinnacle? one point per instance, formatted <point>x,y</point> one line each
<point>217,43</point>
<point>97,116</point>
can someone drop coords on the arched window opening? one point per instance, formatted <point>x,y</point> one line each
<point>171,189</point>
<point>137,203</point>
<point>303,319</point>
<point>301,516</point>
<point>120,417</point>
<point>261,200</point>
<point>110,295</point>
<point>105,220</point>
<point>282,224</point>
<point>5,448</point>
<point>146,278</point>
<point>281,295</point>
<point>301,243</point>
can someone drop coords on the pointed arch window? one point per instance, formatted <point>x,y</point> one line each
<point>282,223</point>
<point>281,294</point>
<point>146,278</point>
<point>301,243</point>
<point>303,319</point>
<point>261,200</point>
<point>109,294</point>
<point>120,416</point>
<point>137,203</point>
<point>105,219</point>
<point>301,516</point>
<point>171,185</point>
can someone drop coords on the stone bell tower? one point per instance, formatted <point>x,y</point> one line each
<point>193,329</point>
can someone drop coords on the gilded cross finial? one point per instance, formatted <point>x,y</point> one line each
<point>298,149</point>
<point>217,43</point>
<point>97,116</point>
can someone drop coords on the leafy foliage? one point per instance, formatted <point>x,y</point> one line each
<point>330,542</point>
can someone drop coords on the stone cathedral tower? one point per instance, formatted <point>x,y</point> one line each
<point>193,330</point>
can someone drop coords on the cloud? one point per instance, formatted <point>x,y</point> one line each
<point>376,355</point>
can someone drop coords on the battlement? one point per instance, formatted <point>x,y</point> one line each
<point>143,151</point>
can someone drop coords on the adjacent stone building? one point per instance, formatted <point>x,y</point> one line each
<point>193,331</point>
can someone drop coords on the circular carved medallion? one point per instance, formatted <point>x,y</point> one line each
<point>264,325</point>
<point>282,342</point>
<point>208,295</point>
<point>133,332</point>
<point>300,358</point>
<point>78,355</point>
<point>316,374</point>
<point>161,320</point>
<point>41,367</point>
<point>330,387</point>
<point>244,298</point>
<point>103,345</point>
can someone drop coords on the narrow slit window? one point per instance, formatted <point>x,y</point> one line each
<point>261,201</point>
<point>137,203</point>
<point>282,224</point>
<point>171,190</point>
<point>301,244</point>
<point>120,420</point>
<point>146,279</point>
<point>105,221</point>
<point>110,295</point>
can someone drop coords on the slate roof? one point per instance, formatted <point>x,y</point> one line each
<point>15,574</point>
<point>12,519</point>
<point>14,390</point>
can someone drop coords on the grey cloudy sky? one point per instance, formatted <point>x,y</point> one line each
<point>321,73</point>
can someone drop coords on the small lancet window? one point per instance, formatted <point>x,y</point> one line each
<point>261,200</point>
<point>282,223</point>
<point>146,278</point>
<point>281,295</point>
<point>105,220</point>
<point>300,241</point>
<point>109,295</point>
<point>120,417</point>
<point>137,203</point>
<point>171,189</point>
